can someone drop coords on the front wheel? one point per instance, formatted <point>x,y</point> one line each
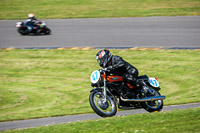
<point>153,106</point>
<point>47,31</point>
<point>103,109</point>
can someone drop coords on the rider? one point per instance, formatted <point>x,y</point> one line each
<point>117,66</point>
<point>31,23</point>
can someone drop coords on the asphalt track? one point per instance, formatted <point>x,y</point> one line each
<point>179,31</point>
<point>73,118</point>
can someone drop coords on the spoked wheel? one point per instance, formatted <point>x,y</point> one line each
<point>152,106</point>
<point>102,108</point>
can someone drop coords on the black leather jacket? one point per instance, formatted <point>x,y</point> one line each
<point>119,67</point>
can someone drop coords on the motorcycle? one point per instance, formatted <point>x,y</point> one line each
<point>41,25</point>
<point>115,91</point>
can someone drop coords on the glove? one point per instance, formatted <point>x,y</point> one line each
<point>109,68</point>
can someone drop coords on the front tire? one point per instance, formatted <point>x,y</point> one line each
<point>106,109</point>
<point>153,106</point>
<point>47,31</point>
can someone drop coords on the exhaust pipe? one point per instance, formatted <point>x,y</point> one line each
<point>144,99</point>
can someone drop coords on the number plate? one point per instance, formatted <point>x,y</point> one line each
<point>153,82</point>
<point>95,76</point>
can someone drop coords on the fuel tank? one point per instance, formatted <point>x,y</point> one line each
<point>115,79</point>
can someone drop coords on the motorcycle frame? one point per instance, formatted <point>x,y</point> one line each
<point>120,95</point>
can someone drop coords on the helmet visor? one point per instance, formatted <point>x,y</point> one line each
<point>100,61</point>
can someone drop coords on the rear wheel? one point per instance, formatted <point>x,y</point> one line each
<point>153,106</point>
<point>22,31</point>
<point>103,109</point>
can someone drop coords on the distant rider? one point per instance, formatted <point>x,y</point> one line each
<point>31,23</point>
<point>117,66</point>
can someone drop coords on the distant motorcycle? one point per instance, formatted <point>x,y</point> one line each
<point>115,90</point>
<point>41,25</point>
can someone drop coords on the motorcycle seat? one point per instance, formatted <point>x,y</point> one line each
<point>143,77</point>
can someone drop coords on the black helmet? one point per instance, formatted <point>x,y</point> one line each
<point>103,57</point>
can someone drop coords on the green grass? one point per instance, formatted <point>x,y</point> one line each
<point>18,9</point>
<point>178,121</point>
<point>43,83</point>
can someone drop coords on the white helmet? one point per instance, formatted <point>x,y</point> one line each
<point>31,15</point>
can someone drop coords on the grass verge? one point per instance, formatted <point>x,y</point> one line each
<point>184,121</point>
<point>43,83</point>
<point>18,9</point>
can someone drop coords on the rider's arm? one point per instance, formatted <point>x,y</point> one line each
<point>118,62</point>
<point>27,22</point>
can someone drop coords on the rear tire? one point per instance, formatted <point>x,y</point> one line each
<point>22,31</point>
<point>153,106</point>
<point>102,109</point>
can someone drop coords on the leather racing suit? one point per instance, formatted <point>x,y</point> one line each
<point>118,66</point>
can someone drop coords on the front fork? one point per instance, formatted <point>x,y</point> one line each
<point>104,92</point>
